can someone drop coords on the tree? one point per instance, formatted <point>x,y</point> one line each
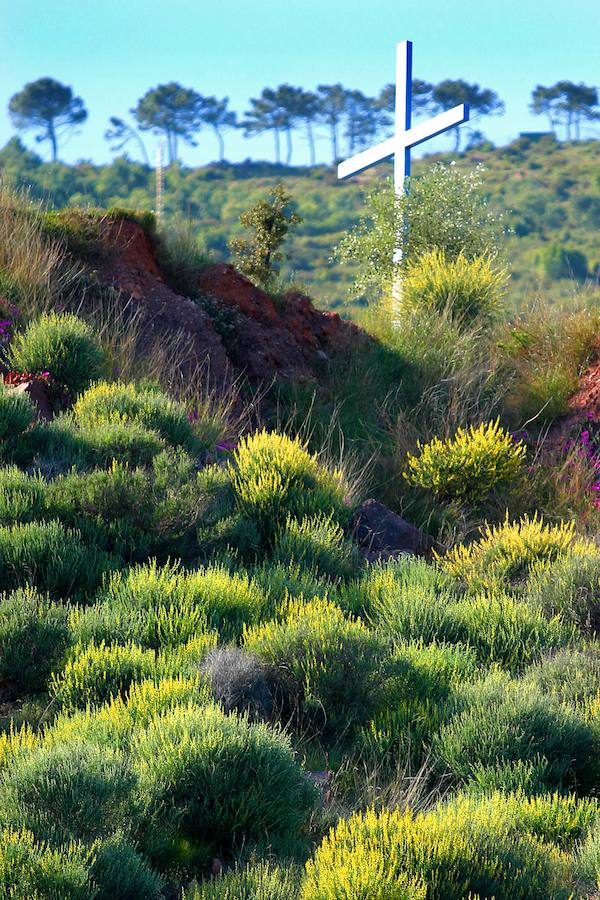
<point>121,133</point>
<point>332,107</point>
<point>270,221</point>
<point>215,113</point>
<point>50,107</point>
<point>266,114</point>
<point>421,97</point>
<point>364,119</point>
<point>307,111</point>
<point>566,103</point>
<point>173,111</point>
<point>451,93</point>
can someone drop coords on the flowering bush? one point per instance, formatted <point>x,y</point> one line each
<point>469,466</point>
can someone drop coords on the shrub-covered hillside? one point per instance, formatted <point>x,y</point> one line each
<point>212,684</point>
<point>548,190</point>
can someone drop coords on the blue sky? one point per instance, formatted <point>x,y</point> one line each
<point>112,51</point>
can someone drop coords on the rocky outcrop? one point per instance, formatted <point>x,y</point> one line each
<point>382,534</point>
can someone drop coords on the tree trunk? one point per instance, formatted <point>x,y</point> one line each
<point>221,143</point>
<point>52,136</point>
<point>311,142</point>
<point>288,136</point>
<point>334,141</point>
<point>456,139</point>
<point>277,150</point>
<point>142,147</point>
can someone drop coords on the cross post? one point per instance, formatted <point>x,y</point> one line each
<point>406,136</point>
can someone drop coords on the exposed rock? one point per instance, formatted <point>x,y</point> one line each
<point>382,534</point>
<point>37,391</point>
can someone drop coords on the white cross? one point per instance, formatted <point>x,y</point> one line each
<point>405,137</point>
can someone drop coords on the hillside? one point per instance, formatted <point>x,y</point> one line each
<point>549,190</point>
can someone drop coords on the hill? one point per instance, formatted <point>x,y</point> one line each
<point>549,190</point>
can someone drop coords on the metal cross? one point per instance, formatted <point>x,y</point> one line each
<point>405,137</point>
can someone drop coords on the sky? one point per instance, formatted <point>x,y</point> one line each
<point>112,51</point>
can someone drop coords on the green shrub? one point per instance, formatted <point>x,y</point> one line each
<point>507,552</point>
<point>275,476</point>
<point>529,777</point>
<point>61,444</point>
<point>572,676</point>
<point>30,870</point>
<point>62,345</point>
<point>587,861</point>
<point>568,586</point>
<point>317,543</point>
<point>34,634</point>
<point>406,578</point>
<point>218,780</point>
<point>120,873</point>
<point>468,467</point>
<point>96,674</point>
<point>504,847</point>
<point>113,508</point>
<point>21,496</point>
<point>332,658</point>
<point>50,558</point>
<point>258,881</point>
<point>146,406</point>
<point>471,289</point>
<point>508,722</point>
<point>65,792</point>
<point>409,603</point>
<point>16,413</point>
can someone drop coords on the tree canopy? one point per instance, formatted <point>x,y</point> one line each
<point>49,107</point>
<point>171,111</point>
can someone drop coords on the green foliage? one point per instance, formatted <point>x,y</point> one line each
<point>557,262</point>
<point>470,290</point>
<point>180,256</point>
<point>467,848</point>
<point>571,676</point>
<point>98,673</point>
<point>317,543</point>
<point>270,221</point>
<point>508,551</point>
<point>64,346</point>
<point>16,413</point>
<point>257,881</point>
<point>445,210</point>
<point>33,638</point>
<point>112,508</point>
<point>333,659</point>
<point>469,466</point>
<point>65,792</point>
<point>50,558</point>
<point>47,106</point>
<point>29,869</point>
<point>149,407</point>
<point>568,586</point>
<point>218,780</point>
<point>119,871</point>
<point>163,606</point>
<point>508,722</point>
<point>408,602</point>
<point>275,476</point>
<point>21,496</point>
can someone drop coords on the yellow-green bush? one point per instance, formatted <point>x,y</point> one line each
<point>64,346</point>
<point>217,781</point>
<point>275,476</point>
<point>30,870</point>
<point>491,848</point>
<point>333,659</point>
<point>507,552</point>
<point>16,413</point>
<point>22,496</point>
<point>469,466</point>
<point>149,407</point>
<point>468,288</point>
<point>98,673</point>
<point>257,881</point>
<point>317,543</point>
<point>504,721</point>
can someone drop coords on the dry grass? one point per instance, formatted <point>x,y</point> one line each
<point>38,269</point>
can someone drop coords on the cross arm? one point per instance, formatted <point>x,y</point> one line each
<point>361,161</point>
<point>432,127</point>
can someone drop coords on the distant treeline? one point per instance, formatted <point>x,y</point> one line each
<point>351,118</point>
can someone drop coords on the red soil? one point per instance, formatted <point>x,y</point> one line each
<point>289,339</point>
